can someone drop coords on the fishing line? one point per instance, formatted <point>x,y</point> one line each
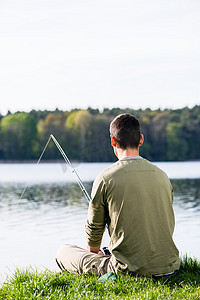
<point>36,165</point>
<point>80,183</point>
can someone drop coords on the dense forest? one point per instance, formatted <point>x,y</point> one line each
<point>170,135</point>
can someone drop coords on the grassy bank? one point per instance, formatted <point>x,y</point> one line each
<point>30,284</point>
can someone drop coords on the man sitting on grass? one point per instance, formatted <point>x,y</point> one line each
<point>134,198</point>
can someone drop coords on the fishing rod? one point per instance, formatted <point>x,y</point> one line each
<point>80,183</point>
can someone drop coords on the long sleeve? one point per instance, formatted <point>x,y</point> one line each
<point>96,219</point>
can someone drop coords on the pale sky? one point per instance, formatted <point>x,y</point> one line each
<point>109,53</point>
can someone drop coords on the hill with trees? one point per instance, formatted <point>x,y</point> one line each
<point>170,135</point>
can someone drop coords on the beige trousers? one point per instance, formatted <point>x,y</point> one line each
<point>72,258</point>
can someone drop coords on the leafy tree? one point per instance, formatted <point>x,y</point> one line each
<point>177,147</point>
<point>52,124</point>
<point>157,134</point>
<point>78,124</point>
<point>99,146</point>
<point>18,136</point>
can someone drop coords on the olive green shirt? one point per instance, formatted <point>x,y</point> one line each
<point>134,197</point>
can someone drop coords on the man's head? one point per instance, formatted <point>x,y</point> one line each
<point>125,129</point>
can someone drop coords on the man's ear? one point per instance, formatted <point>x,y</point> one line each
<point>141,140</point>
<point>113,141</point>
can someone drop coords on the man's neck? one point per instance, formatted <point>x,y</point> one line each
<point>122,153</point>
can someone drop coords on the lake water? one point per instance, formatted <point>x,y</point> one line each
<point>53,211</point>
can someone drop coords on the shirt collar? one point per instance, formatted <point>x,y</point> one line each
<point>130,157</point>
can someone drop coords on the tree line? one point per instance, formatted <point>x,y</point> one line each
<point>170,135</point>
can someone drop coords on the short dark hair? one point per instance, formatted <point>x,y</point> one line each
<point>125,128</point>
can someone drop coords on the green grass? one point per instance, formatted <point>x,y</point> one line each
<point>32,284</point>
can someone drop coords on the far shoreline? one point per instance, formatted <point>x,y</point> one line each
<point>76,161</point>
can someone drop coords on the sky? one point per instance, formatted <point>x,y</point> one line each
<point>110,53</point>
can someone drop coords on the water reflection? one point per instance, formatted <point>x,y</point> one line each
<point>58,194</point>
<point>187,214</point>
<point>187,193</point>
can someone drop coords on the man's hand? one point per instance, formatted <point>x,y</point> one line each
<point>94,249</point>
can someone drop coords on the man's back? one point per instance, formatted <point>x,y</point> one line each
<point>138,199</point>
